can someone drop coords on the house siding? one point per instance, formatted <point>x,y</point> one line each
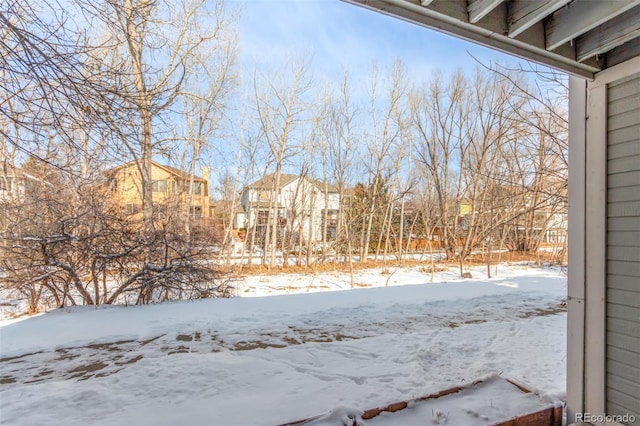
<point>128,188</point>
<point>623,248</point>
<point>299,200</point>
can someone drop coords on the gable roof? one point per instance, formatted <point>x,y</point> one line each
<point>177,172</point>
<point>172,170</point>
<point>9,171</point>
<point>320,185</point>
<point>268,181</point>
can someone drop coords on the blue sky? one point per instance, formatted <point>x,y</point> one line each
<point>337,34</point>
<point>334,35</point>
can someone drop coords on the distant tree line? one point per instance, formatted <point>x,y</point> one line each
<point>459,164</point>
<point>449,164</point>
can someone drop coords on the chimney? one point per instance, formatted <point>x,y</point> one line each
<point>205,191</point>
<point>205,173</point>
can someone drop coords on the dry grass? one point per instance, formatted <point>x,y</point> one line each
<point>441,265</point>
<point>437,267</point>
<point>361,285</point>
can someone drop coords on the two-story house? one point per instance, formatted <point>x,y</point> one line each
<point>20,193</point>
<point>303,206</point>
<point>15,183</point>
<point>170,187</point>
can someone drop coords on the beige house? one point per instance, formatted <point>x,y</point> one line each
<point>170,187</point>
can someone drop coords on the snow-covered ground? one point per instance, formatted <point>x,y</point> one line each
<point>273,359</point>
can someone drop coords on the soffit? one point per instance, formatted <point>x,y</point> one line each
<point>581,37</point>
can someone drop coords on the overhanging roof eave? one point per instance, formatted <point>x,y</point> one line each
<point>440,22</point>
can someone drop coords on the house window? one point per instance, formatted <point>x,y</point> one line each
<point>195,211</point>
<point>133,208</point>
<point>332,233</point>
<point>5,183</point>
<point>159,186</point>
<point>330,223</point>
<point>263,217</point>
<point>196,188</point>
<point>330,217</point>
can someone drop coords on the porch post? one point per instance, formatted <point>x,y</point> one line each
<point>577,253</point>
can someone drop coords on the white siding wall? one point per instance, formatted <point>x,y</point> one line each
<point>301,196</point>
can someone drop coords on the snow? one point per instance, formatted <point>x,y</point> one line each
<point>279,358</point>
<point>490,401</point>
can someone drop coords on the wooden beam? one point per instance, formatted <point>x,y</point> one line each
<point>525,13</point>
<point>480,8</point>
<point>455,9</point>
<point>613,33</point>
<point>581,16</point>
<point>620,54</point>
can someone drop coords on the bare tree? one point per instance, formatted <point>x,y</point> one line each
<point>385,134</point>
<point>488,127</point>
<point>70,109</point>
<point>463,131</point>
<point>151,44</point>
<point>438,114</point>
<point>208,82</point>
<point>281,110</point>
<point>50,90</point>
<point>540,102</point>
<point>406,182</point>
<point>340,138</point>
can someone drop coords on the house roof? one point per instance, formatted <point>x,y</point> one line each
<point>9,171</point>
<point>320,185</point>
<point>172,170</point>
<point>178,172</point>
<point>268,181</point>
<point>581,37</point>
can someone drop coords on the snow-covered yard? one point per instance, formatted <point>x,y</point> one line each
<point>279,358</point>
